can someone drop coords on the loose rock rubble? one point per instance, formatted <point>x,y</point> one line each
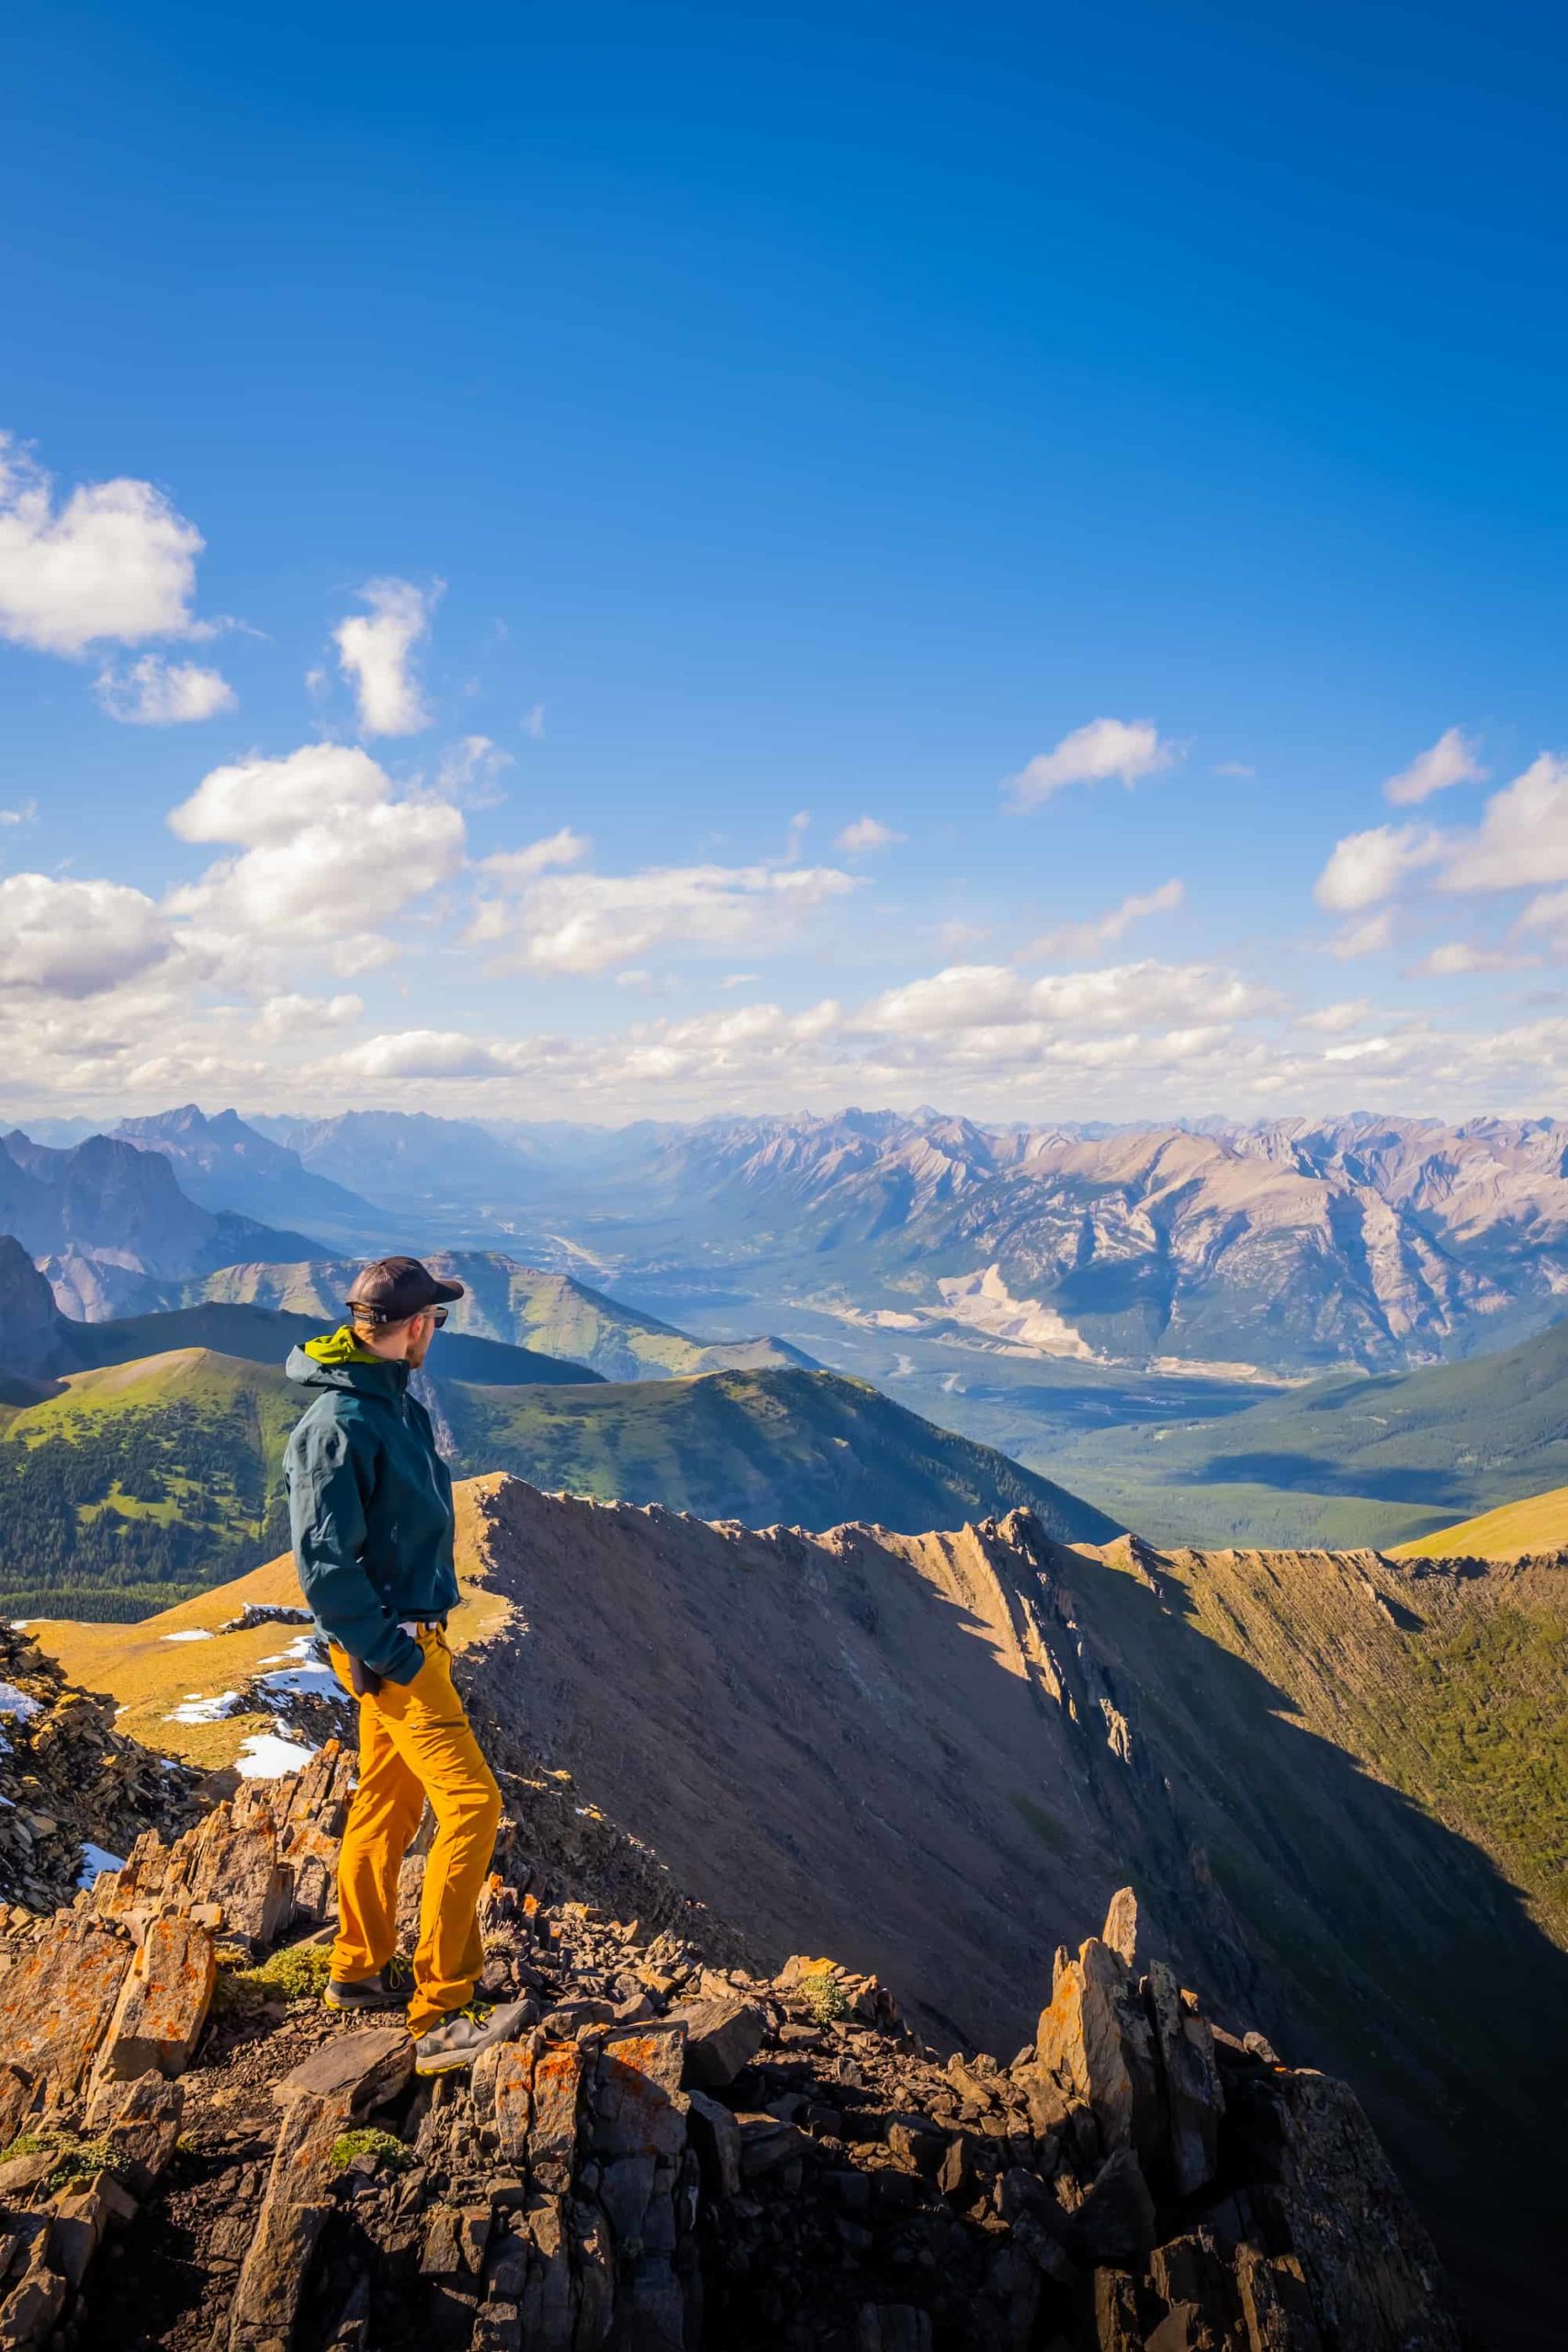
<point>68,1780</point>
<point>676,2151</point>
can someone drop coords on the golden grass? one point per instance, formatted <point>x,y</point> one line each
<point>1538,1524</point>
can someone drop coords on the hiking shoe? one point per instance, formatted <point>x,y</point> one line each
<point>459,2039</point>
<point>387,1989</point>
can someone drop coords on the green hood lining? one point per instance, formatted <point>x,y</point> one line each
<point>341,1347</point>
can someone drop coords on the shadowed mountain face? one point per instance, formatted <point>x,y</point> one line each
<point>946,1750</point>
<point>103,1215</point>
<point>224,1164</point>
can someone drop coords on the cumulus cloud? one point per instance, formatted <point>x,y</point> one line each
<point>1367,867</point>
<point>1522,840</point>
<point>284,1018</point>
<point>591,922</point>
<point>376,655</point>
<point>1092,938</point>
<point>156,692</point>
<point>867,833</point>
<point>1105,747</point>
<point>328,856</point>
<point>1368,938</point>
<point>113,561</point>
<point>1333,1019</point>
<point>75,939</point>
<point>985,996</point>
<point>1450,760</point>
<point>1459,956</point>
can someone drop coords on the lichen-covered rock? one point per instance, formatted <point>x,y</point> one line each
<point>163,2004</point>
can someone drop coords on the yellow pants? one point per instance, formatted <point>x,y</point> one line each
<point>416,1742</point>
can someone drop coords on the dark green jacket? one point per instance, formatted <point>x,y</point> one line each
<point>370,1504</point>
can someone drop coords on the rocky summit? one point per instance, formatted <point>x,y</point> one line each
<point>676,2151</point>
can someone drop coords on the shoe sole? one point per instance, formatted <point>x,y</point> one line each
<point>363,2009</point>
<point>445,2065</point>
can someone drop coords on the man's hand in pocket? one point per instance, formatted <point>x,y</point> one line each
<point>364,1680</point>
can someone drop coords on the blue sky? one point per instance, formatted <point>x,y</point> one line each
<point>735,421</point>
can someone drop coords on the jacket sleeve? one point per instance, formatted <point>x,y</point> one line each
<point>329,1485</point>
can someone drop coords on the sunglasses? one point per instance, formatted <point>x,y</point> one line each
<point>377,1314</point>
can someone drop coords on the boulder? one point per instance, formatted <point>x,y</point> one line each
<point>722,2037</point>
<point>638,2106</point>
<point>1116,2221</point>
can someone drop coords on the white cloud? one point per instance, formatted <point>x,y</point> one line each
<point>1368,938</point>
<point>1130,749</point>
<point>329,857</point>
<point>472,770</point>
<point>739,980</point>
<point>282,1018</point>
<point>26,815</point>
<point>75,939</point>
<point>424,1053</point>
<point>1234,767</point>
<point>533,723</point>
<point>156,693</point>
<point>375,652</point>
<point>1450,760</point>
<point>113,562</point>
<point>590,922</point>
<point>1522,840</point>
<point>563,848</point>
<point>1333,1019</point>
<point>867,833</point>
<point>1091,938</point>
<point>1366,867</point>
<point>1458,956</point>
<point>969,996</point>
<point>1548,911</point>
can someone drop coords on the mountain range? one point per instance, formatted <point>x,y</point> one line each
<point>1276,1249</point>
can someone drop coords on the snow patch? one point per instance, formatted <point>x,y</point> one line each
<point>190,1633</point>
<point>195,1709</point>
<point>19,1703</point>
<point>305,1672</point>
<point>266,1757</point>
<point>96,1860</point>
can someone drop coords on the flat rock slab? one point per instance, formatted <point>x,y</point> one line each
<point>364,2069</point>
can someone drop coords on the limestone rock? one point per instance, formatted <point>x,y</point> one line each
<point>56,2002</point>
<point>362,2068</point>
<point>1096,2041</point>
<point>163,2003</point>
<point>1194,2100</point>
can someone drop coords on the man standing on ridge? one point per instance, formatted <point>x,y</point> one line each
<point>370,1505</point>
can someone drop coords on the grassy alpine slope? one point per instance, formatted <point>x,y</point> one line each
<point>1539,1524</point>
<point>1350,1460</point>
<point>804,1448</point>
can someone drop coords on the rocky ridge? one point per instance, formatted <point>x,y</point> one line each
<point>676,2151</point>
<point>71,1787</point>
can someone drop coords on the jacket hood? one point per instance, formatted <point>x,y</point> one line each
<point>337,1360</point>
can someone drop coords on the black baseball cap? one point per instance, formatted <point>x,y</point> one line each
<point>394,1288</point>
